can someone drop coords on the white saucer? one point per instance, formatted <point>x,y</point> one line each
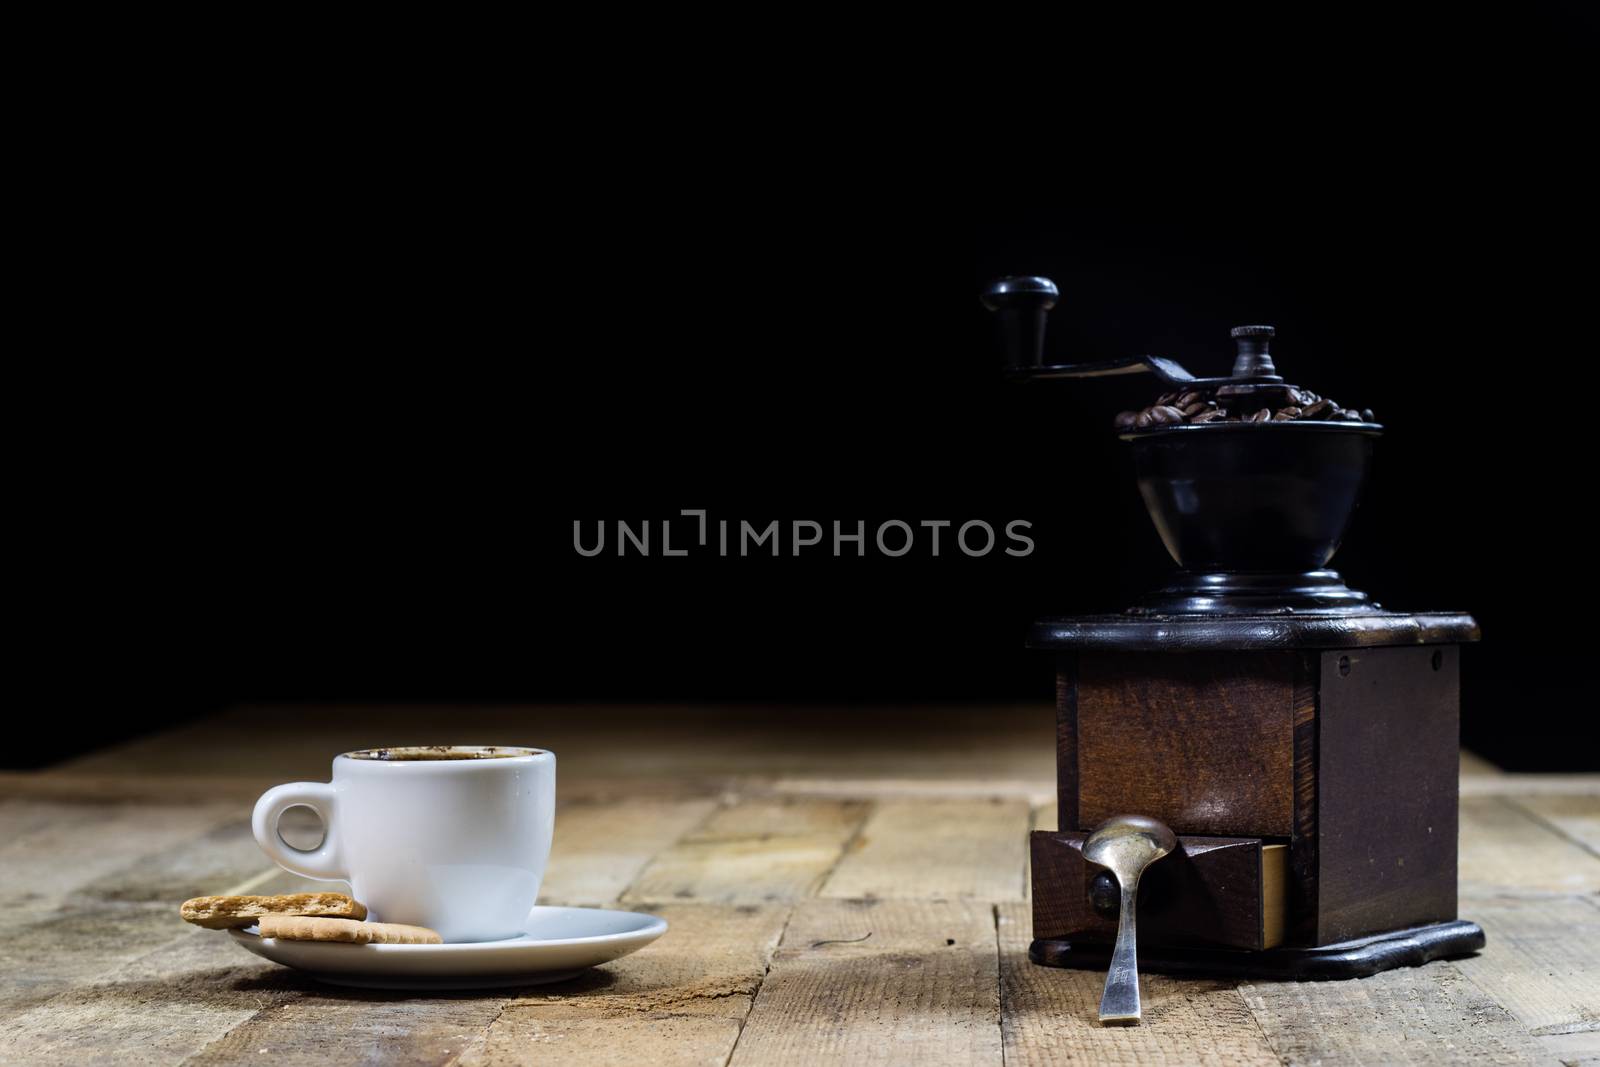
<point>558,943</point>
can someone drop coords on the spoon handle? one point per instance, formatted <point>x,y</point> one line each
<point>1120,1002</point>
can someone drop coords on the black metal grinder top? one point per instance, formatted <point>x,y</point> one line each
<point>1251,481</point>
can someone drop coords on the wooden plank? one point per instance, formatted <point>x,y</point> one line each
<point>210,863</point>
<point>20,817</point>
<point>767,816</point>
<point>95,966</point>
<point>680,1001</point>
<point>63,941</point>
<point>1303,909</point>
<point>1574,816</point>
<point>158,786</point>
<point>1228,772</point>
<point>1537,785</point>
<point>297,1020</point>
<point>1045,817</point>
<point>937,850</point>
<point>1387,787</point>
<point>600,847</point>
<point>760,863</point>
<point>161,1007</point>
<point>74,844</point>
<point>872,982</point>
<point>44,957</point>
<point>1506,849</point>
<point>686,743</point>
<point>55,784</point>
<point>1411,1015</point>
<point>1067,739</point>
<point>709,962</point>
<point>318,1025</point>
<point>566,1036</point>
<point>1051,1015</point>
<point>1035,791</point>
<point>1581,1047</point>
<point>73,901</point>
<point>1540,961</point>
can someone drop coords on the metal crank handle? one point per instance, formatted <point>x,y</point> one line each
<point>1021,306</point>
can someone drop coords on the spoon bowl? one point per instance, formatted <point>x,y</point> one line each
<point>1128,842</point>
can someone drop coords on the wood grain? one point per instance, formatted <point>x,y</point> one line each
<point>1540,961</point>
<point>1067,740</point>
<point>768,854</point>
<point>1506,784</point>
<point>937,850</point>
<point>95,966</point>
<point>601,846</point>
<point>1575,816</point>
<point>1387,779</point>
<point>710,962</point>
<point>623,749</point>
<point>161,1006</point>
<point>1229,772</point>
<point>1301,917</point>
<point>79,843</point>
<point>523,1035</point>
<point>1051,1014</point>
<point>319,1025</point>
<point>778,816</point>
<point>680,1001</point>
<point>919,986</point>
<point>70,926</point>
<point>1429,1015</point>
<point>1505,848</point>
<point>1045,817</point>
<point>1581,1048</point>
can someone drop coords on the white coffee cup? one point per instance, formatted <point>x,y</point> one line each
<point>451,837</point>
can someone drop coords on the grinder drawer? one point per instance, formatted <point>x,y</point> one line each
<point>1216,892</point>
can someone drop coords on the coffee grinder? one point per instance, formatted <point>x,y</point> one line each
<point>1257,766</point>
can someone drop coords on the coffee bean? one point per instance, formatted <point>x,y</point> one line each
<point>1196,407</point>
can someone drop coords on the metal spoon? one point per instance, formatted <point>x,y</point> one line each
<point>1125,845</point>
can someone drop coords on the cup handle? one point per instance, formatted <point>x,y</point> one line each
<point>324,862</point>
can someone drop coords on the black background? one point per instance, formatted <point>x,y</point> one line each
<point>371,387</point>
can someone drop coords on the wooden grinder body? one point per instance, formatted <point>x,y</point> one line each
<point>1314,791</point>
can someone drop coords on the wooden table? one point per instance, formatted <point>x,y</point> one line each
<point>775,841</point>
